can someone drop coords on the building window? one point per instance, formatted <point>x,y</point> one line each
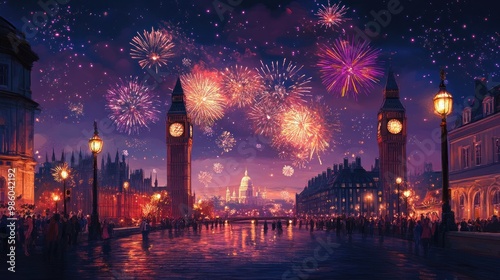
<point>477,153</point>
<point>466,115</point>
<point>497,149</point>
<point>3,190</point>
<point>465,157</point>
<point>4,75</point>
<point>487,106</point>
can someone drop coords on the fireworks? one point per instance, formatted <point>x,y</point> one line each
<point>76,109</point>
<point>57,171</point>
<point>226,141</point>
<point>125,153</point>
<point>287,170</point>
<point>205,178</point>
<point>204,101</point>
<point>264,117</point>
<point>152,48</point>
<point>349,67</point>
<point>330,16</point>
<point>218,167</point>
<point>240,85</point>
<point>284,86</point>
<point>132,106</point>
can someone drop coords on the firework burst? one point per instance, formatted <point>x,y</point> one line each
<point>287,170</point>
<point>218,167</point>
<point>132,106</point>
<point>226,141</point>
<point>349,67</point>
<point>331,15</point>
<point>240,85</point>
<point>284,85</point>
<point>264,117</point>
<point>205,178</point>
<point>204,100</point>
<point>152,49</point>
<point>76,109</point>
<point>57,172</point>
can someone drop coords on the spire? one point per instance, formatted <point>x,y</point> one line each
<point>391,87</point>
<point>178,87</point>
<point>80,156</point>
<point>156,180</point>
<point>46,157</point>
<point>53,155</point>
<point>178,106</point>
<point>246,172</point>
<point>63,158</point>
<point>72,159</point>
<point>117,157</point>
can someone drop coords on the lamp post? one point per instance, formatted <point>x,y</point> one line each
<point>125,201</point>
<point>56,198</point>
<point>95,145</point>
<point>369,198</point>
<point>64,174</point>
<point>443,102</point>
<point>407,194</point>
<point>398,183</point>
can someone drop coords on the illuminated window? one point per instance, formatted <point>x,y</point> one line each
<point>4,75</point>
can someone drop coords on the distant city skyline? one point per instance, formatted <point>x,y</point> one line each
<point>85,50</point>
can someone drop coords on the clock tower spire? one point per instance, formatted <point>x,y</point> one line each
<point>391,138</point>
<point>179,147</point>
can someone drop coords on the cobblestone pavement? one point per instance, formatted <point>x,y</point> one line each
<point>242,252</point>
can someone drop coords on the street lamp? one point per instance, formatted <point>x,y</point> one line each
<point>64,174</point>
<point>369,198</point>
<point>56,198</point>
<point>443,103</point>
<point>125,188</point>
<point>407,194</point>
<point>398,182</point>
<point>95,145</point>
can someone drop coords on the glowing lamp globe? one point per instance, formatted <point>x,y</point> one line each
<point>64,174</point>
<point>407,193</point>
<point>399,180</point>
<point>95,143</point>
<point>443,103</point>
<point>56,198</point>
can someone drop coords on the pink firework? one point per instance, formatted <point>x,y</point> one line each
<point>331,15</point>
<point>349,67</point>
<point>132,105</point>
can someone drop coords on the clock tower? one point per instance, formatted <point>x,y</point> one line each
<point>391,137</point>
<point>179,146</point>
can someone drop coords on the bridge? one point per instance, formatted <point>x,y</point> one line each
<point>269,219</point>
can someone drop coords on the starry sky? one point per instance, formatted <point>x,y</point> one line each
<point>85,51</point>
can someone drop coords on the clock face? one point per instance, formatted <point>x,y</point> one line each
<point>394,126</point>
<point>176,129</point>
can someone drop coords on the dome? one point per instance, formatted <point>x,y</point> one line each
<point>246,181</point>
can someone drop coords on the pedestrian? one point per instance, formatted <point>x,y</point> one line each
<point>105,230</point>
<point>417,233</point>
<point>28,229</point>
<point>426,235</point>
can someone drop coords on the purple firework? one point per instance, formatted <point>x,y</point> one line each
<point>132,105</point>
<point>349,67</point>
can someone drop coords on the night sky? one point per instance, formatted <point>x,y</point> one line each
<point>85,49</point>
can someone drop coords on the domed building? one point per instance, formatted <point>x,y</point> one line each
<point>246,190</point>
<point>17,115</point>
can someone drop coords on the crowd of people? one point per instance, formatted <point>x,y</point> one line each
<point>52,234</point>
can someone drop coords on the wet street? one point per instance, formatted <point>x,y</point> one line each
<point>242,251</point>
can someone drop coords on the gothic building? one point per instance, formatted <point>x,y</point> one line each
<point>347,189</point>
<point>179,147</point>
<point>17,115</point>
<point>391,137</point>
<point>475,156</point>
<point>115,181</point>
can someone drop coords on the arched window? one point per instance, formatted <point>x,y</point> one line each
<point>487,106</point>
<point>466,115</point>
<point>462,201</point>
<point>3,190</point>
<point>477,200</point>
<point>496,197</point>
